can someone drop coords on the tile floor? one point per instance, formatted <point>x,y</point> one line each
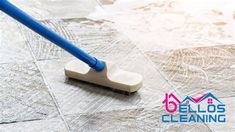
<point>36,96</point>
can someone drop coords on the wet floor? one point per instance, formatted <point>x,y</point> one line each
<point>185,52</point>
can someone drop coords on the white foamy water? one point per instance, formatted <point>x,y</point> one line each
<point>158,25</point>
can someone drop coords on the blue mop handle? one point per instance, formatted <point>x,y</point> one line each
<point>33,24</point>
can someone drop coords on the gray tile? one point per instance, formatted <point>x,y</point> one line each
<point>23,94</point>
<point>50,125</point>
<point>42,48</point>
<point>131,120</point>
<point>91,36</point>
<point>98,37</point>
<point>12,43</point>
<point>198,70</point>
<point>78,97</point>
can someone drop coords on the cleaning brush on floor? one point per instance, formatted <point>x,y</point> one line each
<point>94,71</point>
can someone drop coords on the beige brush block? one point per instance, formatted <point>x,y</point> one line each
<point>112,76</point>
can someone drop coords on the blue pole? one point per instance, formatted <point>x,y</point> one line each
<point>33,24</point>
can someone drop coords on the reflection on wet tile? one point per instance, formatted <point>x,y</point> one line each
<point>230,118</point>
<point>50,125</point>
<point>12,44</point>
<point>134,120</point>
<point>168,24</point>
<point>78,97</point>
<point>23,94</point>
<point>198,70</point>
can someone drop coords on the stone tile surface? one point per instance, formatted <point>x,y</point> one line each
<point>78,97</point>
<point>170,24</point>
<point>12,43</point>
<point>23,94</point>
<point>132,120</point>
<point>50,125</point>
<point>94,37</point>
<point>42,48</point>
<point>36,96</point>
<point>198,70</point>
<point>194,71</point>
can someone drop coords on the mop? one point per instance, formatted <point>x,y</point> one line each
<point>92,70</point>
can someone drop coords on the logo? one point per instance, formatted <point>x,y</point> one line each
<point>206,108</point>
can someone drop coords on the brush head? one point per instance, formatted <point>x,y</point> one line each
<point>112,76</point>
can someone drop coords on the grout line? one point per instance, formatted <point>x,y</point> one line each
<point>25,121</point>
<point>165,78</point>
<point>48,87</point>
<point>53,97</point>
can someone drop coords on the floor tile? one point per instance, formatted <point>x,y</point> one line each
<point>12,43</point>
<point>132,120</point>
<point>78,97</point>
<point>41,47</point>
<point>91,36</point>
<point>23,94</point>
<point>50,125</point>
<point>171,65</point>
<point>165,25</point>
<point>195,71</point>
